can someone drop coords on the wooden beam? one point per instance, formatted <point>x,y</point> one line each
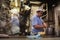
<point>33,2</point>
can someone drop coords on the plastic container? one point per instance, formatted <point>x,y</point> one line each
<point>34,37</point>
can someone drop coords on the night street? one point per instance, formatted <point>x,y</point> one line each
<point>29,19</point>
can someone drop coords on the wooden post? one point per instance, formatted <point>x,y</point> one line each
<point>56,23</point>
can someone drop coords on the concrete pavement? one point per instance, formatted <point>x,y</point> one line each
<point>56,38</point>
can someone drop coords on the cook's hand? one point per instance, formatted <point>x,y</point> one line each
<point>45,25</point>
